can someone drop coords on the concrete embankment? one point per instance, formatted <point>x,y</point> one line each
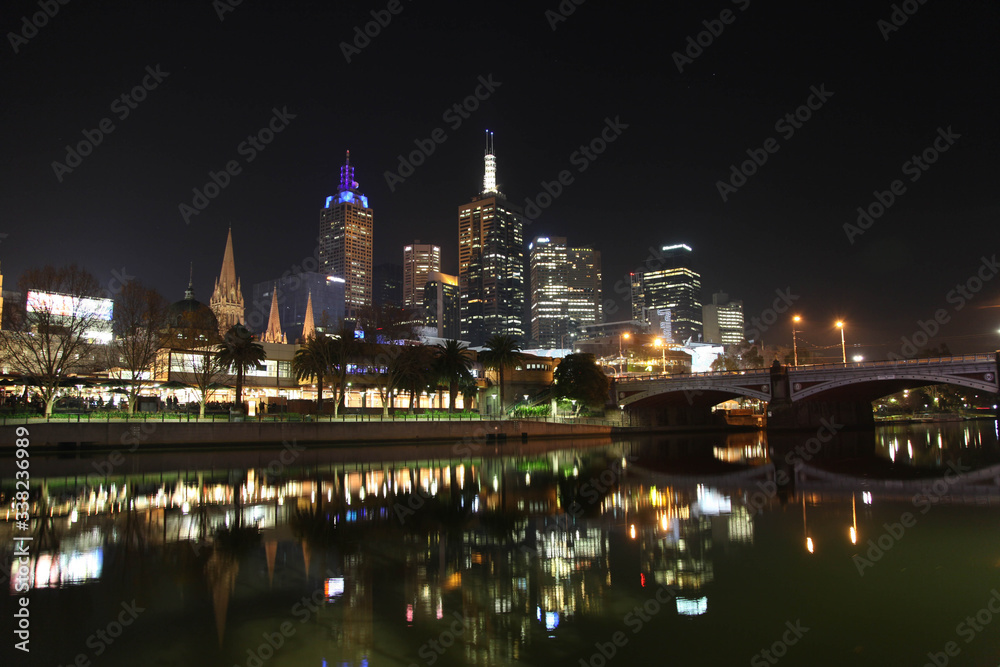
<point>153,433</point>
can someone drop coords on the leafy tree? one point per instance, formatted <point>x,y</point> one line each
<point>51,338</point>
<point>344,350</point>
<point>241,352</point>
<point>313,361</point>
<point>502,351</point>
<point>578,377</point>
<point>452,364</point>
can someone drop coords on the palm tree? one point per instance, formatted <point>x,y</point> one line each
<point>312,362</point>
<point>452,364</point>
<point>344,349</point>
<point>413,369</point>
<point>501,351</point>
<point>241,352</point>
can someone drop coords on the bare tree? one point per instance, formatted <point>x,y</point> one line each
<point>193,339</point>
<point>53,334</point>
<point>141,318</point>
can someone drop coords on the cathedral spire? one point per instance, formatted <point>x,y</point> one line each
<point>189,293</point>
<point>309,326</point>
<point>227,298</point>
<point>273,333</point>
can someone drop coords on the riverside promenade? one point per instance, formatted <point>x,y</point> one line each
<point>139,433</point>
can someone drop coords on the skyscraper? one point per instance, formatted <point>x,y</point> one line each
<point>419,260</point>
<point>565,290</point>
<point>388,288</point>
<point>441,305</point>
<point>491,261</point>
<point>723,320</point>
<point>346,233</point>
<point>672,296</point>
<point>227,298</point>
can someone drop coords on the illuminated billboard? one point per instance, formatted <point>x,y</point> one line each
<point>66,305</point>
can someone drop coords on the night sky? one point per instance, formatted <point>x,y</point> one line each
<point>656,183</point>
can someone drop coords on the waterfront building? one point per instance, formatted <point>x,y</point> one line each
<point>565,290</point>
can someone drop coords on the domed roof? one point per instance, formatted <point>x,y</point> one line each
<point>191,314</point>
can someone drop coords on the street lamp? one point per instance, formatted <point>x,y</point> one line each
<point>624,335</point>
<point>795,348</point>
<point>843,347</point>
<point>663,353</point>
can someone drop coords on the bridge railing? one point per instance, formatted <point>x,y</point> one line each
<point>758,372</point>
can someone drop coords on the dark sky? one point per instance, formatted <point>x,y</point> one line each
<point>655,184</point>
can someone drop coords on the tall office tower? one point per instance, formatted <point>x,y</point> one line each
<point>637,297</point>
<point>1,301</point>
<point>419,259</point>
<point>301,298</point>
<point>565,290</point>
<point>723,320</point>
<point>441,305</point>
<point>388,288</point>
<point>673,296</point>
<point>491,261</point>
<point>227,298</point>
<point>346,235</point>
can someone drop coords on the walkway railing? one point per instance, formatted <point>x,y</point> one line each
<point>294,418</point>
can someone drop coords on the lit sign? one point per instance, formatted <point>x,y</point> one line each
<point>69,306</point>
<point>677,247</point>
<point>692,607</point>
<point>543,239</point>
<point>334,588</point>
<point>335,279</point>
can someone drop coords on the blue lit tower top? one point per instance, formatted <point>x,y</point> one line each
<point>348,191</point>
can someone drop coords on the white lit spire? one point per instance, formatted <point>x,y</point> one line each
<point>490,177</point>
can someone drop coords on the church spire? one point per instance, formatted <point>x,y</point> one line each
<point>227,298</point>
<point>189,293</point>
<point>309,326</point>
<point>273,333</point>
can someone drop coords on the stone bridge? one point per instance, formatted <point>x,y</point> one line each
<point>797,396</point>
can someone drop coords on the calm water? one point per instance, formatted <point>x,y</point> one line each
<point>657,550</point>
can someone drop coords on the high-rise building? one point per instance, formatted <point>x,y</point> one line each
<point>491,261</point>
<point>346,233</point>
<point>672,296</point>
<point>723,320</point>
<point>295,294</point>
<point>419,260</point>
<point>227,298</point>
<point>388,289</point>
<point>565,290</point>
<point>441,305</point>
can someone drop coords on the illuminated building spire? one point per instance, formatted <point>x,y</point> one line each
<point>309,326</point>
<point>347,181</point>
<point>273,333</point>
<point>490,177</point>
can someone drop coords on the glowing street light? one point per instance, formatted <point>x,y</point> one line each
<point>663,352</point>
<point>795,348</point>
<point>843,347</point>
<point>624,335</point>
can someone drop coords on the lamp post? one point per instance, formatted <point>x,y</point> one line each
<point>843,346</point>
<point>663,353</point>
<point>795,348</point>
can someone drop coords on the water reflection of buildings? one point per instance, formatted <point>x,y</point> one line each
<point>487,539</point>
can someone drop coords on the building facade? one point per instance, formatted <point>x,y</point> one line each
<point>723,320</point>
<point>442,305</point>
<point>565,290</point>
<point>388,288</point>
<point>672,296</point>
<point>295,294</point>
<point>419,260</point>
<point>491,263</point>
<point>346,235</point>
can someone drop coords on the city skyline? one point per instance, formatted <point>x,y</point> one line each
<point>670,132</point>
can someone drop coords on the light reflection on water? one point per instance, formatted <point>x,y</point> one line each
<point>523,555</point>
